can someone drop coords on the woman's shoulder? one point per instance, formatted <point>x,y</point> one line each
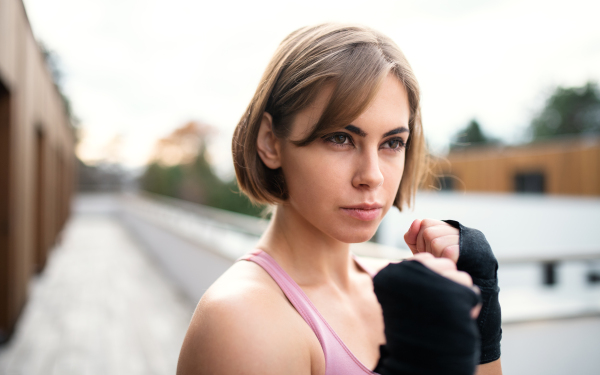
<point>242,283</point>
<point>243,293</point>
<point>242,320</point>
<point>243,290</point>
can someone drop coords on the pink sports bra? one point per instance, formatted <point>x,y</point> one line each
<point>338,358</point>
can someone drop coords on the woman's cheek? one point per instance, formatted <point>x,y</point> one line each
<point>392,168</point>
<point>319,175</point>
<point>398,172</point>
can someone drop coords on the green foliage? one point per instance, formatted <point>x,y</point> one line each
<point>196,182</point>
<point>54,65</point>
<point>471,135</point>
<point>162,180</point>
<point>572,110</point>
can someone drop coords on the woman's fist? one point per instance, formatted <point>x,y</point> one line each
<point>435,237</point>
<point>444,267</point>
<point>447,268</point>
<point>428,318</point>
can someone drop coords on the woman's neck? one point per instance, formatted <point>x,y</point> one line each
<point>311,257</point>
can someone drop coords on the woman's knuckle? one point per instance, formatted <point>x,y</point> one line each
<point>445,262</point>
<point>429,222</point>
<point>428,234</point>
<point>451,247</point>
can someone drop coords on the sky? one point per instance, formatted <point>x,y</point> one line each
<point>135,70</point>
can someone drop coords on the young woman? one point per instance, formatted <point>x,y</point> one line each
<point>332,139</point>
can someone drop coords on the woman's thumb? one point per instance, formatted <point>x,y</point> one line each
<point>410,237</point>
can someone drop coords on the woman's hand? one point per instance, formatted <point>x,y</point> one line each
<point>448,269</point>
<point>445,268</point>
<point>435,237</point>
<point>428,317</point>
<point>471,253</point>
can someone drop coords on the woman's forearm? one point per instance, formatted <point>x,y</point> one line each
<point>492,368</point>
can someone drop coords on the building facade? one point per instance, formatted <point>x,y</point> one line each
<point>562,166</point>
<point>36,161</point>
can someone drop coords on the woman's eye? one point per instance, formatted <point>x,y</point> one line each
<point>339,139</point>
<point>395,144</point>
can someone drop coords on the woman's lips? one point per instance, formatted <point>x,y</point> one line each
<point>364,214</point>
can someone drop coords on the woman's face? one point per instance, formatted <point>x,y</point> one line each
<point>344,183</point>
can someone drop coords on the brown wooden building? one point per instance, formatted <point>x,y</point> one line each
<point>569,166</point>
<point>36,161</point>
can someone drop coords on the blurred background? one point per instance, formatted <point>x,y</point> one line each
<point>118,201</point>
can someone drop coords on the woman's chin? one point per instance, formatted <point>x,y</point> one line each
<point>353,235</point>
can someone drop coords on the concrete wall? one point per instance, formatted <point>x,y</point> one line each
<point>36,161</point>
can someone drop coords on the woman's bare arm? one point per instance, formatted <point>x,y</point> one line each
<point>492,368</point>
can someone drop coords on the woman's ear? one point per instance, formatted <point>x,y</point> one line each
<point>267,144</point>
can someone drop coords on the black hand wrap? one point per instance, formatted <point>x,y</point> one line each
<point>428,324</point>
<point>477,259</point>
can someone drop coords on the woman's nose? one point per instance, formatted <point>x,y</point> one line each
<point>368,174</point>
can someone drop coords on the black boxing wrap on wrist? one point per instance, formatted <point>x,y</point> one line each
<point>477,259</point>
<point>428,324</point>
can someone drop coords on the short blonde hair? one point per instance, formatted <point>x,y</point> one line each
<point>355,60</point>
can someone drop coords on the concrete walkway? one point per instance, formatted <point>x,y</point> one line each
<point>100,307</point>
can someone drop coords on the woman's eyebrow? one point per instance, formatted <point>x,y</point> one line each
<point>399,130</point>
<point>356,130</point>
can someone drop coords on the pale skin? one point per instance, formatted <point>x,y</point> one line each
<point>244,324</point>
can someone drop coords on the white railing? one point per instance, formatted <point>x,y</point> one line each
<point>523,294</point>
<point>227,233</point>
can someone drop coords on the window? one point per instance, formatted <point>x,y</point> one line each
<point>530,182</point>
<point>446,182</point>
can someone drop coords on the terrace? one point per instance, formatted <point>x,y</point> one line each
<point>120,288</point>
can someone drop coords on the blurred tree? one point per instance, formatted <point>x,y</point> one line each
<point>572,110</point>
<point>180,168</point>
<point>161,179</point>
<point>102,176</point>
<point>54,65</point>
<point>471,135</point>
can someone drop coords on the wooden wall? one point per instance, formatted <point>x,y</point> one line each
<point>36,161</point>
<point>570,166</point>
